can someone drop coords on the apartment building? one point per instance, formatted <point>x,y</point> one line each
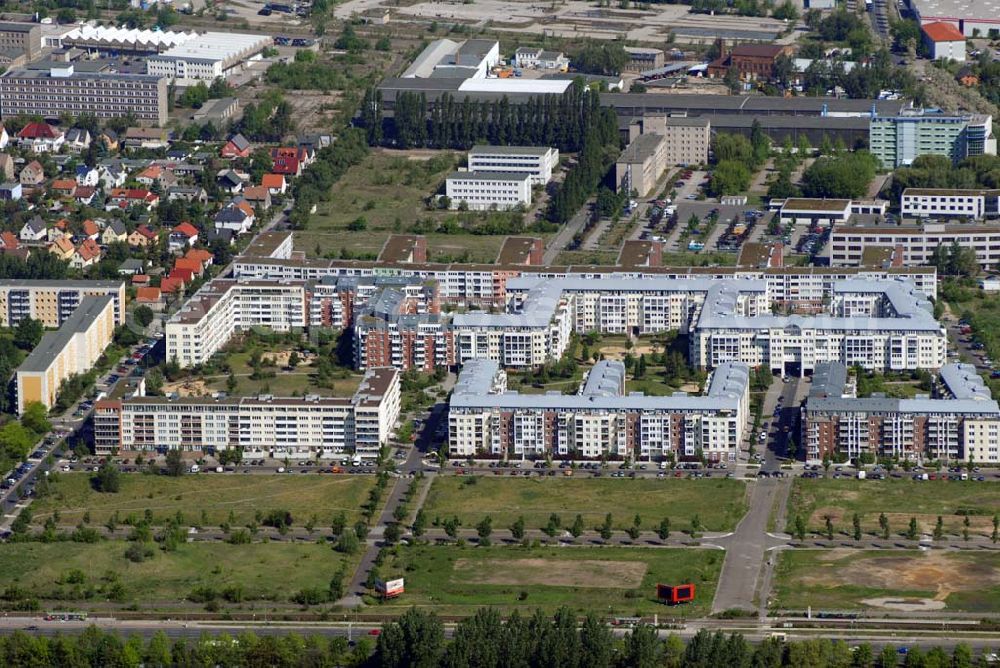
<point>223,307</point>
<point>641,164</point>
<point>485,285</point>
<point>688,140</point>
<point>60,90</point>
<point>24,37</point>
<point>486,191</point>
<point>392,329</point>
<point>949,203</point>
<point>72,349</point>
<point>264,426</point>
<point>959,422</point>
<point>536,161</point>
<point>897,140</point>
<point>53,302</point>
<point>916,242</point>
<point>601,420</point>
<point>334,300</point>
<point>885,326</point>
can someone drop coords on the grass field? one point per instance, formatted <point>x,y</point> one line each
<point>848,579</point>
<point>440,247</point>
<point>615,581</point>
<point>899,500</point>
<point>217,495</point>
<point>718,503</point>
<point>269,571</point>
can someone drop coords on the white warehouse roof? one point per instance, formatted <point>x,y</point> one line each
<point>539,86</point>
<point>218,46</point>
<point>112,35</point>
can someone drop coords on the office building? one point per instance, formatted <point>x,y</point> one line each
<point>21,37</point>
<point>309,427</point>
<point>601,420</point>
<point>208,56</point>
<point>61,90</point>
<point>488,191</point>
<point>72,349</point>
<point>949,203</point>
<point>916,242</point>
<point>53,302</point>
<point>958,422</point>
<point>536,161</point>
<point>641,164</point>
<point>899,139</point>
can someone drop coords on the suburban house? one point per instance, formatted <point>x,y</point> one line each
<point>190,265</point>
<point>114,232</point>
<point>112,176</point>
<point>109,138</point>
<point>87,176</point>
<point>275,183</point>
<point>40,137</point>
<point>63,187</point>
<point>236,147</point>
<point>11,191</point>
<point>86,254</point>
<point>142,237</point>
<point>150,297</point>
<point>147,138</point>
<point>125,198</point>
<point>258,196</point>
<point>235,216</point>
<point>182,236</point>
<point>77,139</point>
<point>201,256</point>
<point>187,193</point>
<point>62,248</point>
<point>85,194</point>
<point>32,174</point>
<point>131,267</point>
<point>33,230</point>
<point>8,241</point>
<point>91,230</point>
<point>229,181</point>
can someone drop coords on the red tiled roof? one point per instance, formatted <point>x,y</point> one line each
<point>38,130</point>
<point>147,295</point>
<point>272,180</point>
<point>8,240</point>
<point>169,285</point>
<point>187,229</point>
<point>943,32</point>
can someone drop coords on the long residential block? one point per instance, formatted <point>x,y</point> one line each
<point>959,422</point>
<point>72,349</point>
<point>917,243</point>
<point>293,427</point>
<point>601,420</point>
<point>61,90</point>
<point>949,203</point>
<point>52,302</point>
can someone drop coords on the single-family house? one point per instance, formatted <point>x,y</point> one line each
<point>86,176</point>
<point>258,196</point>
<point>8,241</point>
<point>275,183</point>
<point>63,187</point>
<point>132,267</point>
<point>142,237</point>
<point>147,138</point>
<point>182,236</point>
<point>58,229</point>
<point>149,296</point>
<point>78,139</point>
<point>40,137</point>
<point>114,232</point>
<point>201,256</point>
<point>109,138</point>
<point>286,161</point>
<point>62,247</point>
<point>236,216</point>
<point>33,230</point>
<point>236,147</point>
<point>187,193</point>
<point>85,194</point>
<point>225,235</point>
<point>112,176</point>
<point>190,265</point>
<point>86,254</point>
<point>184,275</point>
<point>229,181</point>
<point>150,175</point>
<point>140,279</point>
<point>171,286</point>
<point>125,198</point>
<point>6,167</point>
<point>11,191</point>
<point>32,174</point>
<point>90,230</point>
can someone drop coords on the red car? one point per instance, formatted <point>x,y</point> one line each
<point>375,632</point>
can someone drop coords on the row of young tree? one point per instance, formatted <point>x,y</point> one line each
<point>564,121</point>
<point>482,641</point>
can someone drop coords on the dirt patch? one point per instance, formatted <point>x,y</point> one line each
<point>905,604</point>
<point>188,388</point>
<point>553,572</point>
<point>835,554</point>
<point>281,357</point>
<point>613,352</point>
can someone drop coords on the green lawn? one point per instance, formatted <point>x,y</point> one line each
<point>264,571</point>
<point>285,384</point>
<point>440,247</point>
<point>899,500</point>
<point>608,580</point>
<point>845,579</point>
<point>719,503</point>
<point>216,495</point>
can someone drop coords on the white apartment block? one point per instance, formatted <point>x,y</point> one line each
<point>897,333</point>
<point>486,191</point>
<point>918,242</point>
<point>536,161</point>
<point>221,308</point>
<point>264,426</point>
<point>602,420</point>
<point>949,203</point>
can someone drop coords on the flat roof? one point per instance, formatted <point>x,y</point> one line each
<point>266,243</point>
<point>949,192</point>
<point>216,46</point>
<point>53,343</point>
<point>636,252</point>
<point>809,204</point>
<point>969,10</point>
<point>17,27</point>
<point>516,250</point>
<point>47,284</point>
<point>398,248</point>
<point>26,73</point>
<point>754,254</point>
<point>509,150</point>
<point>488,176</point>
<point>642,148</point>
<point>876,256</point>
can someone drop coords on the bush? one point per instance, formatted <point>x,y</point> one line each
<point>202,595</point>
<point>310,596</point>
<point>138,553</point>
